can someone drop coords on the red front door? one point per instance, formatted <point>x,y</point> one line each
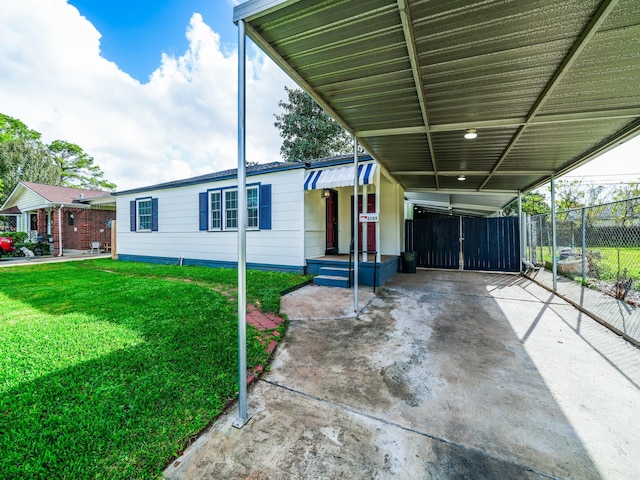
<point>371,227</point>
<point>332,223</point>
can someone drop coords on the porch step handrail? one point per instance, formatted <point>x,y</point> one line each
<point>375,264</point>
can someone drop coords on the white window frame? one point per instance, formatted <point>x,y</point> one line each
<point>226,210</point>
<point>210,210</point>
<point>139,215</point>
<point>255,208</point>
<point>253,212</point>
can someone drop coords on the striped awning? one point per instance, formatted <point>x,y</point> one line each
<point>339,177</point>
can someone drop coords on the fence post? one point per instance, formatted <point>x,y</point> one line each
<point>532,256</point>
<point>553,233</point>
<point>584,246</point>
<point>541,242</point>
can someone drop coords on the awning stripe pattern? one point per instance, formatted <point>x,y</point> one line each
<point>339,177</point>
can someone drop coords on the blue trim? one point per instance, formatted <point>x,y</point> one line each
<point>306,183</point>
<point>367,175</point>
<point>264,204</point>
<point>154,214</point>
<point>315,180</point>
<point>385,270</point>
<point>252,170</point>
<point>341,161</point>
<point>216,177</point>
<point>203,200</point>
<point>210,263</point>
<point>133,218</point>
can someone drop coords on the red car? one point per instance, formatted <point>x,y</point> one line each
<point>6,245</point>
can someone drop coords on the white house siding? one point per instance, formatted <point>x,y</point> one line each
<point>314,224</point>
<point>29,200</point>
<point>391,216</point>
<point>178,234</point>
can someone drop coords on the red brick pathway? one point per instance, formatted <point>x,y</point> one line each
<point>266,324</point>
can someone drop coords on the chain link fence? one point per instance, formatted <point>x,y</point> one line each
<point>598,247</point>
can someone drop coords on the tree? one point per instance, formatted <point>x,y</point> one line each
<point>76,168</point>
<point>12,128</point>
<point>627,191</point>
<point>569,194</point>
<point>308,132</point>
<point>22,159</point>
<point>628,207</point>
<point>23,156</point>
<point>533,203</point>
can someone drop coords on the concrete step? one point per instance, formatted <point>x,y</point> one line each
<point>331,281</point>
<point>334,272</point>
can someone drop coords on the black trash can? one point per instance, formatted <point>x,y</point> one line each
<point>408,262</point>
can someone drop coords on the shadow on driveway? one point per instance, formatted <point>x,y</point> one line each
<point>442,375</point>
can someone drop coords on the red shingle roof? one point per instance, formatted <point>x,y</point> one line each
<point>10,211</point>
<point>63,194</point>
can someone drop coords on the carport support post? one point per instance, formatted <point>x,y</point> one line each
<point>522,231</point>
<point>553,234</point>
<point>355,224</point>
<point>243,414</point>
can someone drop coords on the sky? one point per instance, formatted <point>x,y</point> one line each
<point>148,87</point>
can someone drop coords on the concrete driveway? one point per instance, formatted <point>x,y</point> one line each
<point>443,375</point>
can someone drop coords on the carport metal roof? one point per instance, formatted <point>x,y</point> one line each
<point>547,84</point>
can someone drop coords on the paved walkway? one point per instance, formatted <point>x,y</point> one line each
<point>620,316</point>
<point>441,375</point>
<point>22,261</point>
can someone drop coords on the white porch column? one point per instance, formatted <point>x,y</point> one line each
<point>376,182</point>
<point>355,224</point>
<point>365,226</point>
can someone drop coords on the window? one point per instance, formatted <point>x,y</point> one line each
<point>144,214</point>
<point>214,208</point>
<point>219,208</point>
<point>252,207</point>
<point>231,209</point>
<point>70,219</point>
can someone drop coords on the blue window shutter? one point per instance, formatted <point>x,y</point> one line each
<point>154,214</point>
<point>204,213</point>
<point>132,215</point>
<point>265,207</point>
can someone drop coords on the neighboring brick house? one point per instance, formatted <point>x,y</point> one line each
<point>71,218</point>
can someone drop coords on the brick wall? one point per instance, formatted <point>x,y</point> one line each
<point>86,226</point>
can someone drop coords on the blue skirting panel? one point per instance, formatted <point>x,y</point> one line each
<point>209,263</point>
<point>386,270</point>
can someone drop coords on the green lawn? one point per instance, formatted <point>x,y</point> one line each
<point>614,260</point>
<point>107,368</point>
<point>610,262</point>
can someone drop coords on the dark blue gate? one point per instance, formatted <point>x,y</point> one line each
<point>491,244</point>
<point>435,241</point>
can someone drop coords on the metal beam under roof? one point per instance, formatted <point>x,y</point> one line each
<point>548,85</point>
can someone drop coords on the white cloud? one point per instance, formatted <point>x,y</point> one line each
<point>179,124</point>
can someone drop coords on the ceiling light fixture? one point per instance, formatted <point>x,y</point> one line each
<point>470,134</point>
<point>461,177</point>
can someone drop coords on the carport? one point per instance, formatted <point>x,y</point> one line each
<point>466,103</point>
<point>442,375</point>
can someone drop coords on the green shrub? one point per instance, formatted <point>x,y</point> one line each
<point>18,237</point>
